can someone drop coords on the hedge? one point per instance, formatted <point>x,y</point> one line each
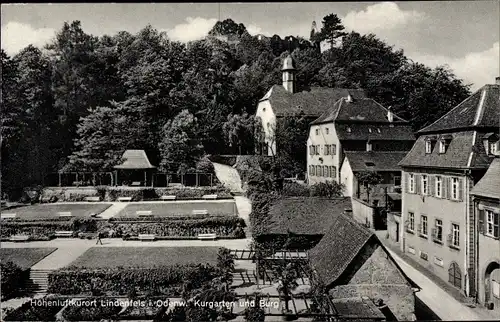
<point>222,226</point>
<point>28,312</point>
<point>96,312</point>
<point>167,280</point>
<point>46,228</point>
<point>13,278</point>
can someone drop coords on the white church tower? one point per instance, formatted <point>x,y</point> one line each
<point>288,74</point>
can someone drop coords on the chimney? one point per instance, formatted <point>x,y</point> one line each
<point>288,71</point>
<point>390,116</point>
<point>497,80</point>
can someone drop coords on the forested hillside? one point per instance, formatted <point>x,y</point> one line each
<point>78,103</point>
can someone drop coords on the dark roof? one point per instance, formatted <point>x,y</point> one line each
<point>312,103</point>
<point>304,215</point>
<point>382,160</point>
<point>362,132</point>
<point>135,159</point>
<point>357,307</point>
<point>358,109</point>
<point>481,109</point>
<point>338,248</point>
<point>489,185</point>
<point>460,150</point>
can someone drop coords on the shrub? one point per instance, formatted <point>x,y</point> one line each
<point>165,280</point>
<point>47,228</point>
<point>204,165</point>
<point>90,313</point>
<point>29,312</point>
<point>13,277</point>
<point>294,189</point>
<point>327,189</point>
<point>255,313</point>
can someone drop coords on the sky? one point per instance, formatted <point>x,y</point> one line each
<point>461,34</point>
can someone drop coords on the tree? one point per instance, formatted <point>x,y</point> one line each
<point>255,313</point>
<point>286,275</point>
<point>330,189</point>
<point>239,131</point>
<point>227,27</point>
<point>331,30</point>
<point>368,179</point>
<point>179,146</point>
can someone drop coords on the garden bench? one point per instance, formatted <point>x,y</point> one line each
<point>125,199</point>
<point>144,213</point>
<point>65,214</point>
<point>200,212</point>
<point>209,197</point>
<point>207,236</point>
<point>164,198</point>
<point>147,237</point>
<point>93,199</point>
<point>16,238</point>
<point>8,216</point>
<point>64,233</point>
<point>136,184</point>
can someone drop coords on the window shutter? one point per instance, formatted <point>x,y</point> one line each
<point>431,185</point>
<point>446,187</point>
<point>407,181</point>
<point>417,183</point>
<point>460,189</point>
<point>482,222</point>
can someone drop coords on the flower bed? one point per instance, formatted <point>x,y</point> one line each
<point>91,312</point>
<point>40,230</point>
<point>166,280</point>
<point>31,312</point>
<point>222,226</point>
<point>13,278</point>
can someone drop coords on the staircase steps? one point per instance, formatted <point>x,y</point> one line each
<point>38,282</point>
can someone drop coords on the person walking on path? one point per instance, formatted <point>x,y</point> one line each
<point>99,236</point>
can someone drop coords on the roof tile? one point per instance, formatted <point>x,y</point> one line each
<point>382,160</point>
<point>135,159</point>
<point>489,185</point>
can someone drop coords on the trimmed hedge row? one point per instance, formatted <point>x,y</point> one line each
<point>138,194</point>
<point>120,281</point>
<point>46,229</point>
<point>222,226</point>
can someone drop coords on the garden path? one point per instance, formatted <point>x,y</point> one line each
<point>113,210</point>
<point>228,176</point>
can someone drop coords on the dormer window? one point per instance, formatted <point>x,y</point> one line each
<point>490,142</point>
<point>368,146</point>
<point>442,146</point>
<point>348,130</point>
<point>428,147</point>
<point>370,129</point>
<point>378,130</point>
<point>317,131</point>
<point>327,131</point>
<point>444,142</point>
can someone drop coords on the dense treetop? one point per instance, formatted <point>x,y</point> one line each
<point>82,100</point>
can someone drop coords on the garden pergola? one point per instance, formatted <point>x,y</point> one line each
<point>135,162</point>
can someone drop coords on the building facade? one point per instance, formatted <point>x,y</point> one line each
<point>449,157</point>
<point>287,99</point>
<point>486,236</point>
<point>358,125</point>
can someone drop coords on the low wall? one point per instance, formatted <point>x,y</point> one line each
<point>369,215</point>
<point>394,226</point>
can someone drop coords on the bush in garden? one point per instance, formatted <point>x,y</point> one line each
<point>45,229</point>
<point>90,313</point>
<point>255,313</point>
<point>294,189</point>
<point>329,189</point>
<point>166,280</point>
<point>204,165</point>
<point>13,277</point>
<point>27,312</point>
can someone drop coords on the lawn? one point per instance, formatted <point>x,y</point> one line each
<point>180,208</point>
<point>47,211</point>
<point>24,257</point>
<point>110,257</point>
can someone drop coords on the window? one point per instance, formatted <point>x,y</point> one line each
<point>423,228</point>
<point>378,130</point>
<point>333,172</point>
<point>318,171</point>
<point>492,224</point>
<point>368,146</point>
<point>327,149</point>
<point>370,129</point>
<point>425,187</point>
<point>411,183</point>
<point>442,146</point>
<point>348,130</point>
<point>454,275</point>
<point>325,169</point>
<point>424,255</point>
<point>317,149</point>
<point>311,170</point>
<point>439,187</point>
<point>493,147</point>
<point>311,149</point>
<point>397,180</point>
<point>411,221</point>
<point>455,235</point>
<point>454,188</point>
<point>428,147</point>
<point>495,288</point>
<point>317,131</point>
<point>438,230</point>
<point>327,131</point>
<point>334,149</point>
